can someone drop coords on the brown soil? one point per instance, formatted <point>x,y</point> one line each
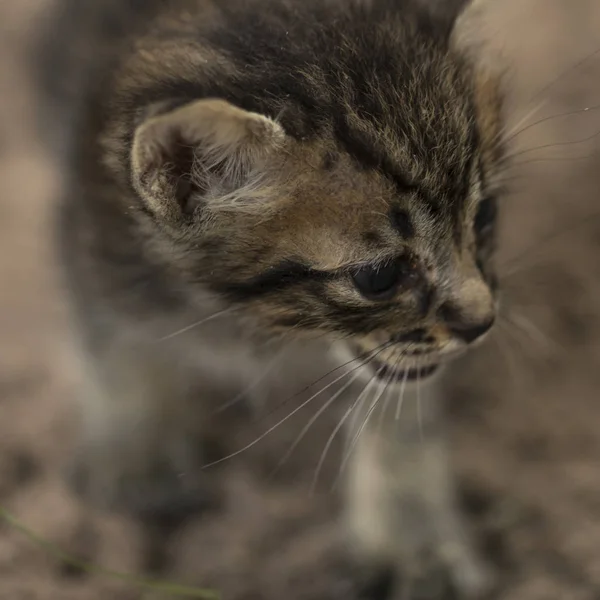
<point>525,407</point>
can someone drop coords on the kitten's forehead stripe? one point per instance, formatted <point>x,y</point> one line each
<point>402,223</point>
<point>381,111</point>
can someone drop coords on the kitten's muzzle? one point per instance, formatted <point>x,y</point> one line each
<point>392,374</point>
<point>462,326</point>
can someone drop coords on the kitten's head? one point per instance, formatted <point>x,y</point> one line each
<point>339,179</point>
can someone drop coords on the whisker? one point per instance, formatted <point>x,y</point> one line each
<point>286,418</point>
<point>519,338</point>
<point>507,354</point>
<point>314,419</point>
<point>515,130</point>
<point>401,396</point>
<point>554,159</point>
<point>256,381</point>
<point>384,407</point>
<point>517,153</point>
<point>358,408</point>
<point>386,397</point>
<point>585,221</point>
<point>355,406</point>
<point>546,415</point>
<point>368,356</point>
<point>568,113</point>
<point>565,72</point>
<point>187,328</point>
<point>365,422</point>
<point>419,407</point>
<point>504,180</point>
<point>532,330</point>
<point>512,174</point>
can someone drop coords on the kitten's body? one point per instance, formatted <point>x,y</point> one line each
<point>365,106</point>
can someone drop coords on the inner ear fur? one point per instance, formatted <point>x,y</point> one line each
<point>193,153</point>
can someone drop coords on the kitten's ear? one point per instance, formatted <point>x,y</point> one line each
<point>445,13</point>
<point>197,153</point>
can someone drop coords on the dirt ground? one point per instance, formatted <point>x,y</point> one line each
<point>525,408</point>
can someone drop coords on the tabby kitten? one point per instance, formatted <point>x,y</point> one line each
<point>245,170</point>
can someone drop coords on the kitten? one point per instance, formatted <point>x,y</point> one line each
<point>314,172</point>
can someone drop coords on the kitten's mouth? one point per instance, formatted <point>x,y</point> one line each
<point>389,374</point>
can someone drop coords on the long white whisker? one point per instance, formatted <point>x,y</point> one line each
<point>507,353</point>
<point>386,399</point>
<point>548,87</point>
<point>569,113</point>
<point>532,330</point>
<point>282,421</point>
<point>355,406</point>
<point>419,407</point>
<point>387,396</point>
<point>255,382</point>
<point>518,128</point>
<point>360,431</point>
<point>518,153</point>
<point>315,417</point>
<point>365,358</point>
<point>544,241</point>
<point>401,397</point>
<point>198,323</point>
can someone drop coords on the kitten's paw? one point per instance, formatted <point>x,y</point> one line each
<point>158,490</point>
<point>449,572</point>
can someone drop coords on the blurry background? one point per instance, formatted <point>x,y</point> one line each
<point>526,408</point>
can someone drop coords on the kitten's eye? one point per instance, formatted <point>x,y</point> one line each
<point>381,282</point>
<point>486,213</point>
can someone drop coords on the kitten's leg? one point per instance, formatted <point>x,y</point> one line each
<point>402,506</point>
<point>139,450</point>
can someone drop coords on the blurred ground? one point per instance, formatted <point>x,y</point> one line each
<point>526,407</point>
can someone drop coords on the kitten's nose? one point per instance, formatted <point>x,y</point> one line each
<point>461,326</point>
<point>468,310</point>
<point>470,332</point>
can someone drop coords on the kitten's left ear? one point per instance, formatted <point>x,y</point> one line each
<point>202,155</point>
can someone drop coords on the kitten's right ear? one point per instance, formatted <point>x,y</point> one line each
<point>445,13</point>
<point>198,153</point>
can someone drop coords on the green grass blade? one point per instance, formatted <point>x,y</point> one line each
<point>161,587</point>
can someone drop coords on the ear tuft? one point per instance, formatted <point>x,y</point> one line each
<point>206,148</point>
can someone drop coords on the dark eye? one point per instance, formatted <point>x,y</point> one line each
<point>486,214</point>
<point>381,282</point>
